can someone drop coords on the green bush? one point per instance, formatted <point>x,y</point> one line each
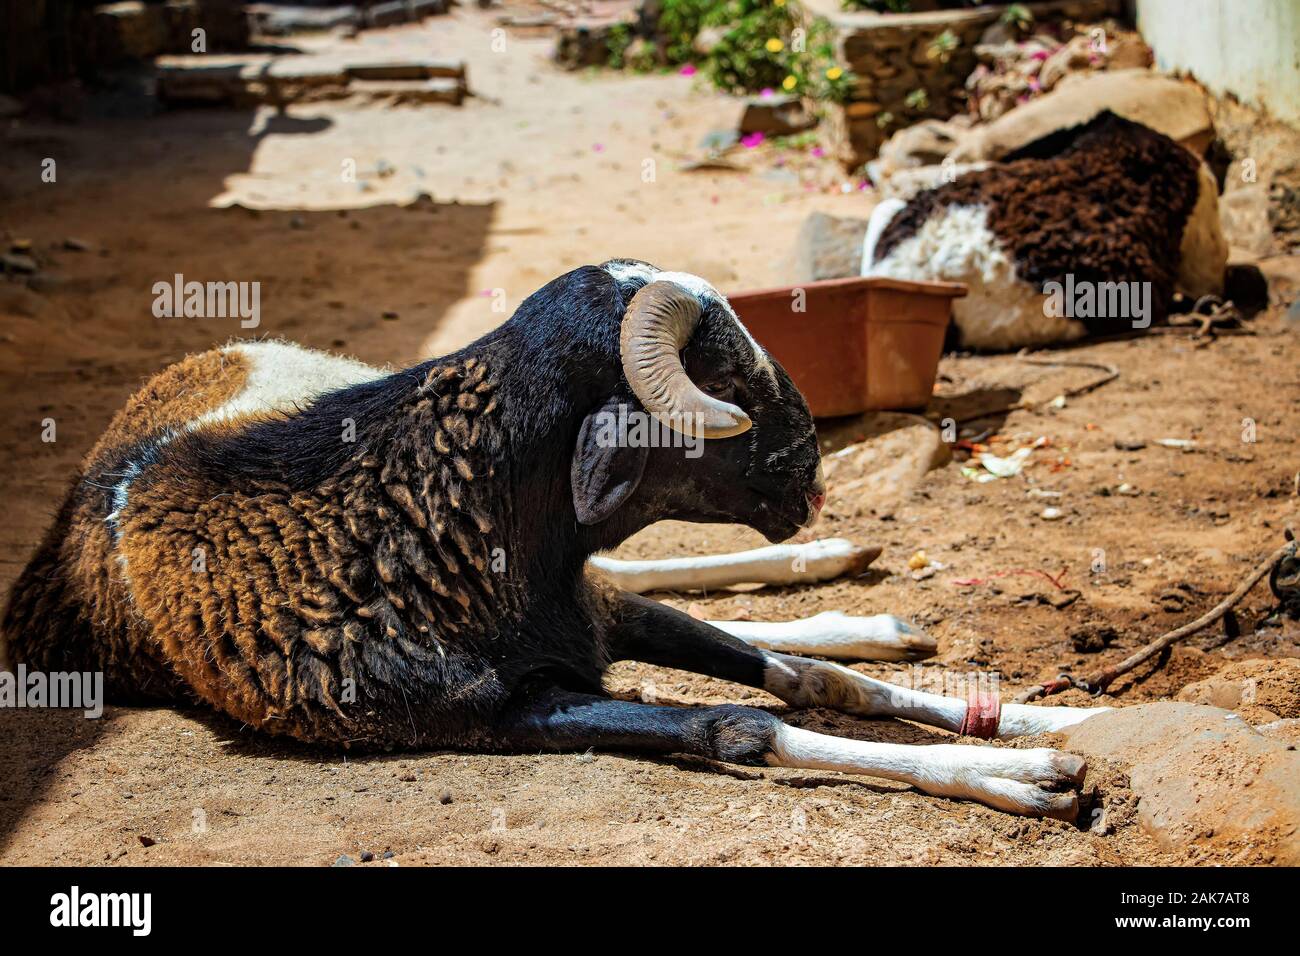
<point>764,44</point>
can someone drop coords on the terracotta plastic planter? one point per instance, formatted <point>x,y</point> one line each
<point>858,344</point>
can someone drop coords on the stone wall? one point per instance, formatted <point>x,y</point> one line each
<point>50,41</point>
<point>890,55</point>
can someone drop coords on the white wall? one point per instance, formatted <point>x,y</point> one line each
<point>1250,48</point>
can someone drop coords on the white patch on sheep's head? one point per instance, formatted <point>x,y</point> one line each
<point>624,270</point>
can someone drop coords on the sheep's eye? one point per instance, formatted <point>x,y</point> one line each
<point>725,388</point>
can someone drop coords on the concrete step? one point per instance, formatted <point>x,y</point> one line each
<point>406,70</point>
<point>437,89</point>
<point>260,78</point>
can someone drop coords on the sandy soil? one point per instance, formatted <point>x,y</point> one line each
<point>538,174</point>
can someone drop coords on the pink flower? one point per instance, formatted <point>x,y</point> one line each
<point>1039,55</point>
<point>687,70</point>
<point>752,140</point>
<point>598,147</point>
<point>818,152</point>
<point>767,92</point>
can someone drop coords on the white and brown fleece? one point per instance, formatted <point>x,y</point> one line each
<point>182,565</point>
<point>1110,201</point>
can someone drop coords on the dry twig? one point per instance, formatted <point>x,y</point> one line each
<point>1098,682</point>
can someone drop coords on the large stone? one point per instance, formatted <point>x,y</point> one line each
<point>895,55</point>
<point>776,116</point>
<point>890,455</point>
<point>1174,107</point>
<point>277,19</point>
<point>1204,777</point>
<point>584,41</point>
<point>828,247</point>
<point>1262,691</point>
<point>923,144</point>
<point>437,89</point>
<point>1244,214</point>
<point>405,69</point>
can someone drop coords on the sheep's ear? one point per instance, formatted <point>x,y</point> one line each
<point>605,470</point>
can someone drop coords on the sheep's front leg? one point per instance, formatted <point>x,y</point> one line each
<point>819,560</point>
<point>808,683</point>
<point>877,637</point>
<point>1026,782</point>
<point>657,634</point>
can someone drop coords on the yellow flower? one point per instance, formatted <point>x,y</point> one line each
<point>789,83</point>
<point>834,73</point>
<point>774,45</point>
<point>778,3</point>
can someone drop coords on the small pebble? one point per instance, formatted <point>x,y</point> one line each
<point>344,860</point>
<point>366,856</point>
<point>1052,514</point>
<point>444,797</point>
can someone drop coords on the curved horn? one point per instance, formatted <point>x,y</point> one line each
<point>659,321</point>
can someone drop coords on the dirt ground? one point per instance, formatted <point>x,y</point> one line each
<point>541,172</point>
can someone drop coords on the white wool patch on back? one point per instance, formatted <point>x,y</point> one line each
<point>283,377</point>
<point>881,217</point>
<point>1000,312</point>
<point>702,289</point>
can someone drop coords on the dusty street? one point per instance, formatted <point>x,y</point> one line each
<point>539,172</point>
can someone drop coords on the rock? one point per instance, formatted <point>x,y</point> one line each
<point>17,262</point>
<point>906,183</point>
<point>282,20</point>
<point>444,797</point>
<point>776,116</point>
<point>1202,775</point>
<point>1129,444</point>
<point>584,41</point>
<point>344,860</point>
<point>405,69</point>
<point>828,247</point>
<point>1244,215</point>
<point>1092,638</point>
<point>890,456</point>
<point>1173,107</point>
<point>432,90</point>
<point>1261,690</point>
<point>366,856</point>
<point>1287,731</point>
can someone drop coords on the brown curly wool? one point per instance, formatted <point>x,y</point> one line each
<point>1107,202</point>
<point>314,608</point>
<point>67,610</point>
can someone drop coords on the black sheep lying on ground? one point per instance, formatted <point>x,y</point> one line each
<point>357,558</point>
